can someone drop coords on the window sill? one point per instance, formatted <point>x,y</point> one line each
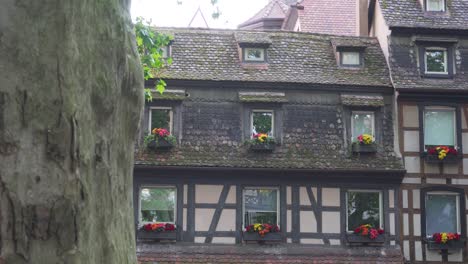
<point>262,147</point>
<point>363,240</point>
<point>160,145</point>
<point>363,148</point>
<point>152,235</point>
<point>269,237</point>
<point>437,76</point>
<point>432,245</point>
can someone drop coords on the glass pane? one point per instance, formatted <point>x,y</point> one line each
<point>157,204</point>
<point>254,54</point>
<point>441,214</point>
<point>260,206</point>
<point>363,208</point>
<point>435,5</point>
<point>439,127</point>
<point>262,123</point>
<point>161,118</point>
<point>362,124</point>
<point>350,58</point>
<point>435,61</point>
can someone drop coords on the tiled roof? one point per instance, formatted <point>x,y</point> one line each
<point>362,100</point>
<point>410,13</point>
<point>329,17</point>
<point>285,254</point>
<point>275,9</point>
<point>293,57</point>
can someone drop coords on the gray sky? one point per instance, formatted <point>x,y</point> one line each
<point>167,13</point>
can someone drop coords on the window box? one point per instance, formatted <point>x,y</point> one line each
<point>160,144</point>
<point>360,239</point>
<point>364,148</point>
<point>453,244</point>
<point>269,237</point>
<point>434,159</point>
<point>151,235</point>
<point>263,147</point>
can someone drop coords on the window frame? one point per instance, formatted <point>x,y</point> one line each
<point>439,11</point>
<point>263,111</point>
<point>455,123</point>
<point>244,55</point>
<point>354,137</point>
<point>449,48</point>
<point>171,117</point>
<point>350,65</point>
<point>457,204</point>
<point>381,205</point>
<point>152,186</point>
<point>443,189</point>
<point>445,52</point>
<point>166,51</point>
<point>278,202</point>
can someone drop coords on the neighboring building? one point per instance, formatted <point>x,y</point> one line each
<point>426,44</point>
<point>338,17</point>
<point>314,94</point>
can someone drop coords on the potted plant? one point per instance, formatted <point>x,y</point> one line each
<point>364,144</point>
<point>441,154</point>
<point>366,234</point>
<point>262,233</point>
<point>261,142</point>
<point>157,231</point>
<point>445,241</point>
<point>160,138</point>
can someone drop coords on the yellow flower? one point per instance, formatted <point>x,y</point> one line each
<point>444,238</point>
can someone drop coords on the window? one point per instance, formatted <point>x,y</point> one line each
<point>436,61</point>
<point>157,204</point>
<point>439,126</point>
<point>262,122</point>
<point>166,51</point>
<point>362,123</point>
<point>363,207</point>
<point>350,58</point>
<point>261,205</point>
<point>160,117</point>
<point>442,210</point>
<point>435,5</point>
<point>254,54</point>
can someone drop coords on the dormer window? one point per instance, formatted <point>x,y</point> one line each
<point>166,51</point>
<point>350,58</point>
<point>436,61</point>
<point>254,54</point>
<point>435,5</point>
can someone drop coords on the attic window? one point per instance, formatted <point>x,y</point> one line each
<point>166,51</point>
<point>435,5</point>
<point>350,58</point>
<point>254,54</point>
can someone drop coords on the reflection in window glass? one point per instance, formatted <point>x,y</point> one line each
<point>254,54</point>
<point>260,206</point>
<point>436,60</point>
<point>157,204</point>
<point>363,208</point>
<point>262,122</point>
<point>441,213</point>
<point>435,5</point>
<point>362,123</point>
<point>161,118</point>
<point>439,127</point>
<point>350,58</point>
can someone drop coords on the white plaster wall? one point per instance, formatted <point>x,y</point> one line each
<point>433,255</point>
<point>203,219</point>
<point>231,198</point>
<point>405,198</point>
<point>412,164</point>
<point>207,193</point>
<point>416,199</point>
<point>199,239</point>
<point>411,180</point>
<point>460,182</point>
<point>436,181</point>
<point>431,168</point>
<point>185,193</point>
<point>184,217</point>
<point>392,223</point>
<point>411,141</point>
<point>335,242</point>
<point>308,221</point>
<point>464,125</point>
<point>288,195</point>
<point>465,166</point>
<point>288,220</point>
<point>455,256</point>
<point>227,221</point>
<point>380,30</point>
<point>391,198</point>
<point>224,240</point>
<point>331,197</point>
<point>465,143</point>
<point>313,241</point>
<point>331,222</point>
<point>418,250</point>
<point>450,169</point>
<point>406,249</point>
<point>417,224</point>
<point>410,116</point>
<point>405,224</point>
<point>303,196</point>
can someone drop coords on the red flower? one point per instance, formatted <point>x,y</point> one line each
<point>381,231</point>
<point>452,151</point>
<point>373,234</point>
<point>432,151</point>
<point>169,227</point>
<point>357,230</point>
<point>148,227</point>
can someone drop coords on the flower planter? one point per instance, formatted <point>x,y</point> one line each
<point>262,147</point>
<point>269,237</point>
<point>360,239</point>
<point>434,159</point>
<point>161,144</point>
<point>452,244</point>
<point>364,148</point>
<point>152,235</point>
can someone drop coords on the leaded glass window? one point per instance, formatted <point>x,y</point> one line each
<point>350,58</point>
<point>436,60</point>
<point>435,5</point>
<point>262,122</point>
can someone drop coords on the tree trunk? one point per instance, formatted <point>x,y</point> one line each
<point>71,95</point>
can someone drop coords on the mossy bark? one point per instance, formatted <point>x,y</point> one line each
<point>71,96</point>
